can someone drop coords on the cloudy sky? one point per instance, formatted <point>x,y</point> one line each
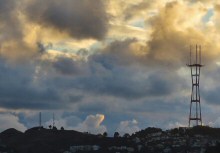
<point>106,65</point>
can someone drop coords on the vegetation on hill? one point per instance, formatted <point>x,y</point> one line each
<point>39,139</point>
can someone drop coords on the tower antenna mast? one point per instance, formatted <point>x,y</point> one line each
<point>195,113</point>
<point>53,121</point>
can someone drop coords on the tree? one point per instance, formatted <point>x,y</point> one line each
<point>116,135</point>
<point>126,135</point>
<point>50,126</point>
<point>105,134</point>
<point>62,128</point>
<point>54,128</point>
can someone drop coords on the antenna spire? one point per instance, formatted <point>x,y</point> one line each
<point>40,119</point>
<point>53,121</point>
<point>195,107</point>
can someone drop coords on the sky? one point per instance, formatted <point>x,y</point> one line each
<point>106,65</point>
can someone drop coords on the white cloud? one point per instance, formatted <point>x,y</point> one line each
<point>92,124</point>
<point>10,121</point>
<point>216,123</point>
<point>67,122</point>
<point>128,127</point>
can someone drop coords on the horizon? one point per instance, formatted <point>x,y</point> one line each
<point>107,66</point>
<point>39,128</point>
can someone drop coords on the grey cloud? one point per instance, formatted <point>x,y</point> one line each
<point>9,21</point>
<point>12,41</point>
<point>92,107</point>
<point>18,90</point>
<point>209,85</point>
<point>81,19</point>
<point>161,104</point>
<point>116,71</point>
<point>68,66</point>
<point>83,52</point>
<point>116,53</point>
<point>122,85</point>
<point>42,47</point>
<point>212,96</point>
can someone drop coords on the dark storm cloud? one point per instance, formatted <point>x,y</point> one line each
<point>118,69</point>
<point>78,19</point>
<point>161,104</point>
<point>212,96</point>
<point>122,84</point>
<point>26,97</point>
<point>18,90</point>
<point>43,47</point>
<point>12,41</point>
<point>92,107</point>
<point>209,84</point>
<point>8,21</point>
<point>115,71</point>
<point>68,66</point>
<point>81,19</point>
<point>116,53</point>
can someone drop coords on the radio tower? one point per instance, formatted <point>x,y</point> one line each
<point>53,121</point>
<point>40,119</point>
<point>40,125</point>
<point>195,113</point>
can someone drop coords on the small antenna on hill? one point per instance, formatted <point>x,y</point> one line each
<point>53,121</point>
<point>40,125</point>
<point>40,119</point>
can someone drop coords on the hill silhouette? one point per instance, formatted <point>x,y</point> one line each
<point>41,140</point>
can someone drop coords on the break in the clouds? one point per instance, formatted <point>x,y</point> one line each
<point>121,60</point>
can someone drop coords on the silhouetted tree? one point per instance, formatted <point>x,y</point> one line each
<point>126,135</point>
<point>54,128</point>
<point>50,126</point>
<point>105,134</point>
<point>175,131</point>
<point>100,135</point>
<point>62,128</point>
<point>116,135</point>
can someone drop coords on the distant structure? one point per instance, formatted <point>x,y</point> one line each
<point>40,125</point>
<point>40,119</point>
<point>195,65</point>
<point>53,121</point>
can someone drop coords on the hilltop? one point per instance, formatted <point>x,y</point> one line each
<point>41,140</point>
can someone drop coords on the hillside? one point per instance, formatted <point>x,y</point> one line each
<point>152,140</point>
<point>50,141</point>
